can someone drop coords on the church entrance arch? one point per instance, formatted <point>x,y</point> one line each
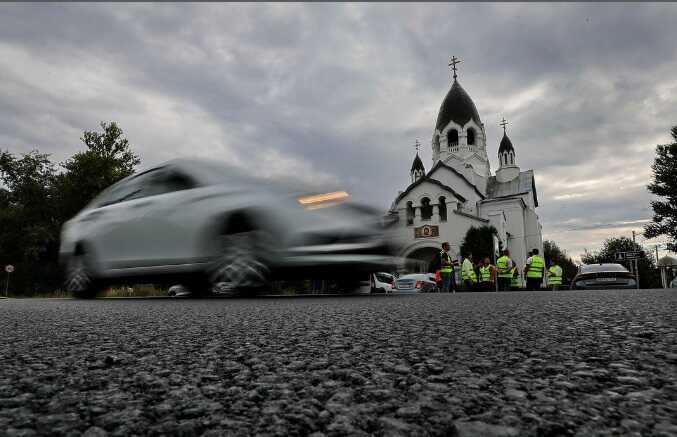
<point>417,260</point>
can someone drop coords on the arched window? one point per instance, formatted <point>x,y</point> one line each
<point>426,209</point>
<point>512,159</point>
<point>410,213</point>
<point>443,208</point>
<point>436,144</point>
<point>471,136</point>
<point>452,137</point>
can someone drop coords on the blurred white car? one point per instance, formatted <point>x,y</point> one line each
<point>178,291</point>
<point>206,225</point>
<point>381,282</point>
<point>416,283</point>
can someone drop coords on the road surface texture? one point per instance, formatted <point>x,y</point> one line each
<point>509,364</point>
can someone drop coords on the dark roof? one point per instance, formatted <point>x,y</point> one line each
<point>458,107</point>
<point>432,181</point>
<point>442,164</point>
<point>418,164</point>
<point>506,145</point>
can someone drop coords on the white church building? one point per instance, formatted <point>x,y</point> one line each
<point>460,191</point>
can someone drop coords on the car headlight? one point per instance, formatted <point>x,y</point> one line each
<point>323,200</point>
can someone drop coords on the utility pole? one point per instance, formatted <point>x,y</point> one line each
<point>633,236</point>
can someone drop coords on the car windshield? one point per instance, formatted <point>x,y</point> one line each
<point>596,268</point>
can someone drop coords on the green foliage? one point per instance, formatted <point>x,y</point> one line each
<point>664,185</point>
<point>35,200</point>
<point>552,252</point>
<point>108,159</point>
<point>648,274</point>
<point>28,228</point>
<point>479,241</point>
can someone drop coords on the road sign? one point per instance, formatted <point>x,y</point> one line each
<point>629,255</point>
<point>9,268</point>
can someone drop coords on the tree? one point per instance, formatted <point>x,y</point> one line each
<point>108,159</point>
<point>28,229</point>
<point>552,252</point>
<point>648,275</point>
<point>35,200</point>
<point>664,185</point>
<point>479,241</point>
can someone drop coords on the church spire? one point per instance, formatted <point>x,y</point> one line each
<point>507,158</point>
<point>417,168</point>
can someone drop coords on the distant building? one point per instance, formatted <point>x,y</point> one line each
<point>459,190</point>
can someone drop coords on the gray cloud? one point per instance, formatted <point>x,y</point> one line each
<point>339,92</point>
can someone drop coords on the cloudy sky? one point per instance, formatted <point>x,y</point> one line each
<point>338,93</point>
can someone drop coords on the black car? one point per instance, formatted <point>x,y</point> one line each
<point>603,276</point>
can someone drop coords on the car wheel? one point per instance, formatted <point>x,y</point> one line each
<point>78,278</point>
<point>240,267</point>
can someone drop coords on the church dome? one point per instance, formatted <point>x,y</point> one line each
<point>457,107</point>
<point>506,145</point>
<point>417,164</point>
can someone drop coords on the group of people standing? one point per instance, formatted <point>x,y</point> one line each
<point>504,276</point>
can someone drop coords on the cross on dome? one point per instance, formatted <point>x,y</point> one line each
<point>503,123</point>
<point>417,146</point>
<point>452,63</point>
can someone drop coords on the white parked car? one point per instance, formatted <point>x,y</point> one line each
<point>206,225</point>
<point>381,282</point>
<point>417,283</point>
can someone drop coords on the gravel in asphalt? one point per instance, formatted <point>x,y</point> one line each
<point>534,364</point>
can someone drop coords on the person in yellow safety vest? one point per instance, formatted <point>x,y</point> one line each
<point>515,281</point>
<point>468,273</point>
<point>555,273</point>
<point>446,269</point>
<point>504,267</point>
<point>487,276</point>
<point>534,271</point>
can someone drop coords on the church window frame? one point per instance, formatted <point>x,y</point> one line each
<point>442,208</point>
<point>471,136</point>
<point>452,137</point>
<point>411,212</point>
<point>426,209</point>
<point>436,144</point>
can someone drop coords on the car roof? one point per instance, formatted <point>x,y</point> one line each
<point>603,267</point>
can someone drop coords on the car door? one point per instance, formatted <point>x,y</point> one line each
<point>166,220</point>
<point>120,235</point>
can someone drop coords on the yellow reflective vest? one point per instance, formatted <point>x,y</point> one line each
<point>516,281</point>
<point>468,271</point>
<point>485,274</point>
<point>555,275</point>
<point>447,265</point>
<point>502,266</point>
<point>536,267</point>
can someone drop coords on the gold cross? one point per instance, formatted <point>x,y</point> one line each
<point>504,124</point>
<point>417,145</point>
<point>452,63</point>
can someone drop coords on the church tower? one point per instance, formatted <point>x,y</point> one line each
<point>507,159</point>
<point>459,139</point>
<point>417,168</point>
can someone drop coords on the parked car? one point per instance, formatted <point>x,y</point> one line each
<point>381,282</point>
<point>205,225</point>
<point>601,276</point>
<point>416,282</point>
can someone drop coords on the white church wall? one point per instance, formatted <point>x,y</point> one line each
<point>513,211</point>
<point>456,182</point>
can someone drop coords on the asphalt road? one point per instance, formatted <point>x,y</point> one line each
<point>547,364</point>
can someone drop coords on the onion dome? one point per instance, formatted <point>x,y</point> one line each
<point>417,164</point>
<point>457,107</point>
<point>506,145</point>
